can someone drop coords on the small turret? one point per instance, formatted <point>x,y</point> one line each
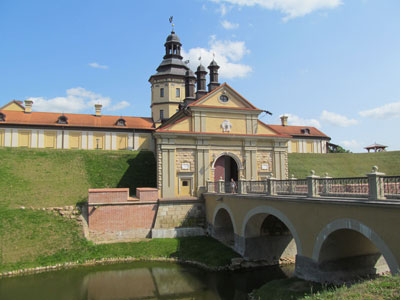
<point>213,67</point>
<point>201,81</point>
<point>190,81</point>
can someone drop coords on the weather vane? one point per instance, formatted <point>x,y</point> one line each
<point>171,18</point>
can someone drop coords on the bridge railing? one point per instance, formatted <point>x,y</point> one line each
<point>338,187</point>
<point>375,186</point>
<point>391,186</point>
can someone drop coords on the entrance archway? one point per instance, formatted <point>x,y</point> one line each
<point>225,167</point>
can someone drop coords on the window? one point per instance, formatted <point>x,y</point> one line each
<point>305,130</point>
<point>185,183</point>
<point>2,117</point>
<point>162,92</point>
<point>178,93</point>
<point>121,122</point>
<point>62,120</point>
<point>161,114</point>
<point>223,98</point>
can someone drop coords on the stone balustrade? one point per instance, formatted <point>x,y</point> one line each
<point>375,186</point>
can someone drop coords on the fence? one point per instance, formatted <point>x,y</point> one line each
<point>375,186</point>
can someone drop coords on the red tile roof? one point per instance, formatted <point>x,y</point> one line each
<point>75,120</point>
<point>296,131</point>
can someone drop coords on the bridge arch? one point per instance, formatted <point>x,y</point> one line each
<point>224,226</point>
<point>348,225</point>
<point>266,220</point>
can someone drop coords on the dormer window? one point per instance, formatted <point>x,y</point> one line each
<point>62,120</point>
<point>2,117</point>
<point>121,122</point>
<point>305,130</point>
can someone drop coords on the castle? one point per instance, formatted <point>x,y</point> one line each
<point>198,132</point>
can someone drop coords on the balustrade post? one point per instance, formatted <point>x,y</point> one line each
<point>312,185</point>
<point>221,185</point>
<point>292,185</point>
<point>375,185</point>
<point>325,188</point>
<point>241,186</point>
<point>271,187</point>
<point>208,186</point>
<point>266,186</point>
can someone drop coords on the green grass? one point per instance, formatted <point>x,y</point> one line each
<point>46,178</point>
<point>39,238</point>
<point>384,287</point>
<point>343,164</point>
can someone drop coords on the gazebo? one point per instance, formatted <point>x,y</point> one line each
<point>376,147</point>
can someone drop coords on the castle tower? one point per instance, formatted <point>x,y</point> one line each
<point>190,82</point>
<point>168,84</point>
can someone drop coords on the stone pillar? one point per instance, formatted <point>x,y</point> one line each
<point>292,186</point>
<point>375,185</point>
<point>312,185</point>
<point>271,187</point>
<point>208,186</point>
<point>266,186</point>
<point>221,185</point>
<point>326,186</point>
<point>241,186</point>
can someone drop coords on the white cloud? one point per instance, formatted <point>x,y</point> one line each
<point>119,106</point>
<point>227,55</point>
<point>223,9</point>
<point>351,145</point>
<point>228,25</point>
<point>97,66</point>
<point>336,119</point>
<point>76,100</point>
<point>390,110</point>
<point>296,120</point>
<point>291,8</point>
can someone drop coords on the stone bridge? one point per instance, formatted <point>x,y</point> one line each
<point>332,239</point>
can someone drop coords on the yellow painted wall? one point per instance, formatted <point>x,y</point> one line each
<point>295,146</point>
<point>2,134</point>
<point>50,139</point>
<point>310,146</point>
<point>24,138</point>
<point>185,142</point>
<point>169,95</point>
<point>144,142</point>
<point>98,140</point>
<point>75,140</point>
<point>213,123</point>
<point>262,129</point>
<point>122,141</point>
<point>181,126</point>
<point>233,101</point>
<point>13,107</point>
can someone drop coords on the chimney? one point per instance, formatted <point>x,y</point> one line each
<point>284,120</point>
<point>190,81</point>
<point>213,67</point>
<point>98,109</point>
<point>28,106</point>
<point>201,81</point>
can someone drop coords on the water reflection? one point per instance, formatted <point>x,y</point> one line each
<point>139,281</point>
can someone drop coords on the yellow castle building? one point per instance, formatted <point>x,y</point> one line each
<point>198,133</point>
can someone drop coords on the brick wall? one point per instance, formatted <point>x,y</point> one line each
<point>108,195</point>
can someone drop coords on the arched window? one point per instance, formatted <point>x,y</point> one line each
<point>62,120</point>
<point>2,117</point>
<point>121,122</point>
<point>305,130</point>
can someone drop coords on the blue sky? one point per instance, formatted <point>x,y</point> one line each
<point>333,64</point>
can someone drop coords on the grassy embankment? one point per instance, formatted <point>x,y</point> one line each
<point>48,178</point>
<point>344,164</point>
<point>385,287</point>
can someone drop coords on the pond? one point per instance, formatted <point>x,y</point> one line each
<point>139,280</point>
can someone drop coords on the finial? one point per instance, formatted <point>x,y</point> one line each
<point>374,169</point>
<point>292,176</point>
<point>312,172</point>
<point>171,18</point>
<point>326,174</point>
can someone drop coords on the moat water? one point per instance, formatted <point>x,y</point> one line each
<point>139,280</point>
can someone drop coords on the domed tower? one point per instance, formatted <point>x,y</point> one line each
<point>168,84</point>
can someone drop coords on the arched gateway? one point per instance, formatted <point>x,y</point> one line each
<point>225,167</point>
